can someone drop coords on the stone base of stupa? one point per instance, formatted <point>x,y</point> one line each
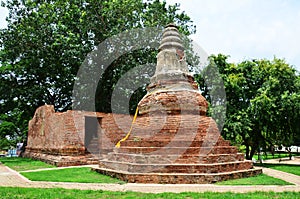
<point>62,160</point>
<point>172,140</point>
<point>176,149</point>
<point>177,178</point>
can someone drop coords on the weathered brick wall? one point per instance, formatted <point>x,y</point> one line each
<point>53,134</point>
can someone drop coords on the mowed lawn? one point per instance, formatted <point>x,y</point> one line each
<point>294,169</point>
<point>86,175</point>
<point>23,164</point>
<point>83,175</point>
<point>26,193</point>
<point>261,179</point>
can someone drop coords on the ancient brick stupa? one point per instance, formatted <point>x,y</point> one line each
<point>172,139</point>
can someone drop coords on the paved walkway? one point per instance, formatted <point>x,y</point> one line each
<point>285,160</point>
<point>11,178</point>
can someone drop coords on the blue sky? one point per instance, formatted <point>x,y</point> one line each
<point>243,29</point>
<point>247,29</point>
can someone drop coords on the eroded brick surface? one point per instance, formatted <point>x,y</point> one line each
<point>172,140</point>
<point>59,138</point>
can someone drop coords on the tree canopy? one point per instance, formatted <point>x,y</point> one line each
<point>262,100</point>
<point>46,42</point>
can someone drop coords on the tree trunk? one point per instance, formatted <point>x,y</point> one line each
<point>252,152</point>
<point>248,152</point>
<point>289,150</point>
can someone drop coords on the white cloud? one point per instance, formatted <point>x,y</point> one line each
<point>3,15</point>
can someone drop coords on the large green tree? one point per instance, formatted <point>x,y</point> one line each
<point>262,100</point>
<point>46,42</point>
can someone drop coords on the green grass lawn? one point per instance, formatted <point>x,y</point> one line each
<point>23,164</point>
<point>25,193</point>
<point>261,179</point>
<point>83,174</point>
<point>294,169</point>
<point>269,156</point>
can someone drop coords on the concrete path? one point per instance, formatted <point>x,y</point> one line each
<point>11,178</point>
<point>295,161</point>
<point>56,168</point>
<point>288,177</point>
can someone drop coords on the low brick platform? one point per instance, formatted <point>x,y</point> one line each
<point>63,161</point>
<point>176,149</point>
<point>177,178</point>
<point>74,137</point>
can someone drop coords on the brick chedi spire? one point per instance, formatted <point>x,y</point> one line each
<point>172,140</point>
<point>171,64</point>
<point>172,88</point>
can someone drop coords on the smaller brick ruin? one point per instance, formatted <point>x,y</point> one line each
<point>73,137</point>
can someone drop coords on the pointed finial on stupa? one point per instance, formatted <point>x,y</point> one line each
<point>171,63</point>
<point>172,88</point>
<point>171,39</point>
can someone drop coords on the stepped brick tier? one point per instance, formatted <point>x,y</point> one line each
<point>172,139</point>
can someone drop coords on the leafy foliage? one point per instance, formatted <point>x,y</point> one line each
<point>262,99</point>
<point>46,42</point>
